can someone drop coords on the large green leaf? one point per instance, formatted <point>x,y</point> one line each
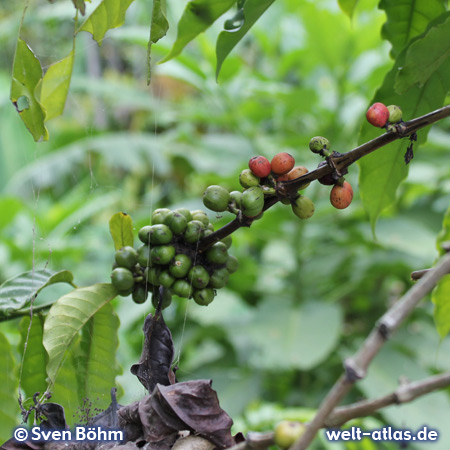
<point>121,229</point>
<point>35,361</point>
<point>227,40</point>
<point>382,171</point>
<point>197,17</point>
<point>66,318</point>
<point>17,293</point>
<point>55,86</point>
<point>8,391</point>
<point>27,73</point>
<point>407,19</point>
<point>348,6</point>
<point>441,294</point>
<point>425,56</point>
<point>108,14</point>
<point>96,362</point>
<point>158,28</point>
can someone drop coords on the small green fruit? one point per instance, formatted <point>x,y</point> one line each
<point>166,297</point>
<point>160,234</point>
<point>395,113</point>
<point>236,197</point>
<point>216,198</point>
<point>180,266</point>
<point>248,179</point>
<point>252,201</point>
<point>193,231</point>
<point>166,279</point>
<point>122,279</point>
<point>217,253</point>
<point>201,216</point>
<point>126,257</point>
<point>177,222</point>
<point>227,240</point>
<point>303,207</point>
<point>182,288</point>
<point>144,234</point>
<point>232,264</point>
<point>199,277</point>
<point>219,278</point>
<point>186,213</point>
<point>159,215</point>
<point>162,254</point>
<point>140,294</point>
<point>286,433</point>
<point>152,275</point>
<point>319,143</point>
<point>143,256</point>
<point>204,297</point>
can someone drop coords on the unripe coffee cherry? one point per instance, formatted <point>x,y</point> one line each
<point>143,253</point>
<point>217,253</point>
<point>140,294</point>
<point>122,279</point>
<point>166,298</point>
<point>377,115</point>
<point>248,179</point>
<point>286,433</point>
<point>204,297</point>
<point>166,279</point>
<point>319,143</point>
<point>303,207</point>
<point>395,113</point>
<point>219,278</point>
<point>236,197</point>
<point>162,254</point>
<point>126,257</point>
<point>186,213</point>
<point>193,231</point>
<point>199,277</point>
<point>341,196</point>
<point>176,221</point>
<point>216,198</point>
<point>144,234</point>
<point>180,266</point>
<point>160,234</point>
<point>260,166</point>
<point>201,216</point>
<point>282,163</point>
<point>159,215</point>
<point>231,264</point>
<point>252,201</point>
<point>182,288</point>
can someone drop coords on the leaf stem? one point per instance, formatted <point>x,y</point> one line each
<point>25,312</point>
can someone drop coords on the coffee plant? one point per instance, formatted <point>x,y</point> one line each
<point>64,372</point>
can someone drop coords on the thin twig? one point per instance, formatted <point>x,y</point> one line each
<point>356,366</point>
<point>25,312</point>
<point>405,393</point>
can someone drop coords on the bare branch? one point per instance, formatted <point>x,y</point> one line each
<point>356,366</point>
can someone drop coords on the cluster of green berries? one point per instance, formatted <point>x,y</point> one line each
<point>341,194</point>
<point>169,257</point>
<point>258,181</point>
<point>380,115</point>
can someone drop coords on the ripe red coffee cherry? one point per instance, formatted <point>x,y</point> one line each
<point>282,163</point>
<point>260,166</point>
<point>341,196</point>
<point>377,115</point>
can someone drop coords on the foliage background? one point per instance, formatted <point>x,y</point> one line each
<point>306,293</point>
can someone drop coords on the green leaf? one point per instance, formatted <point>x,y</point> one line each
<point>382,171</point>
<point>17,292</point>
<point>121,229</point>
<point>405,20</point>
<point>35,361</point>
<point>197,17</point>
<point>227,40</point>
<point>8,391</point>
<point>108,14</point>
<point>158,28</point>
<point>66,318</point>
<point>95,359</point>
<point>27,73</point>
<point>55,86</point>
<point>348,6</point>
<point>425,56</point>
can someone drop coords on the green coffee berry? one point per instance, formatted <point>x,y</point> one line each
<point>160,234</point>
<point>236,197</point>
<point>201,216</point>
<point>204,297</point>
<point>227,240</point>
<point>319,143</point>
<point>216,198</point>
<point>126,257</point>
<point>248,179</point>
<point>395,113</point>
<point>198,276</point>
<point>182,288</point>
<point>219,278</point>
<point>185,212</point>
<point>166,279</point>
<point>193,231</point>
<point>207,232</point>
<point>217,253</point>
<point>144,234</point>
<point>303,207</point>
<point>162,254</point>
<point>152,275</point>
<point>143,256</point>
<point>166,297</point>
<point>252,201</point>
<point>122,279</point>
<point>140,294</point>
<point>159,215</point>
<point>285,201</point>
<point>180,265</point>
<point>177,222</point>
<point>232,264</point>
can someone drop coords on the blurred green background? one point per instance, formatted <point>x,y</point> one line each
<point>306,293</point>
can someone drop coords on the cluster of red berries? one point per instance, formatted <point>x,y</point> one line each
<point>380,115</point>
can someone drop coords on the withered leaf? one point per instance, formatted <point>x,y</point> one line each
<point>157,354</point>
<point>54,414</point>
<point>130,422</point>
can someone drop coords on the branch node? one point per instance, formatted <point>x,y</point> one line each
<point>384,328</point>
<point>353,372</point>
<point>446,246</point>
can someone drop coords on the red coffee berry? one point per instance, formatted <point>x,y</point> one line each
<point>260,166</point>
<point>282,163</point>
<point>341,196</point>
<point>378,115</point>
